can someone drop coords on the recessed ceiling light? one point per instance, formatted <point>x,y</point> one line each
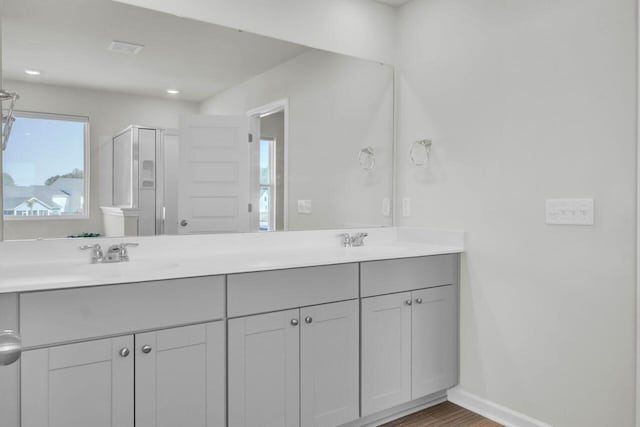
<point>32,72</point>
<point>173,91</point>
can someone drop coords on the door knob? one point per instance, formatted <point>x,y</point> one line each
<point>184,223</point>
<point>418,300</point>
<point>308,319</point>
<point>294,322</point>
<point>146,349</point>
<point>10,347</point>
<point>124,352</point>
<point>408,302</point>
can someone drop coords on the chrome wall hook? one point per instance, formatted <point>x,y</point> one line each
<point>367,159</point>
<point>420,152</point>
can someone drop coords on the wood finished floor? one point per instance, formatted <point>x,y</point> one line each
<point>443,415</point>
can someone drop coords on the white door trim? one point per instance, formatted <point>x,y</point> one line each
<point>265,110</point>
<point>637,397</point>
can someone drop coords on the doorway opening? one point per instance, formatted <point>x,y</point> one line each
<point>269,167</point>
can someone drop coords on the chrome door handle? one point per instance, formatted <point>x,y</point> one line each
<point>408,302</point>
<point>418,300</point>
<point>124,352</point>
<point>146,349</point>
<point>294,322</point>
<point>308,319</point>
<point>184,223</point>
<point>10,347</point>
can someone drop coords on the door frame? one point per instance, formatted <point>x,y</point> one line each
<point>266,110</point>
<point>637,224</point>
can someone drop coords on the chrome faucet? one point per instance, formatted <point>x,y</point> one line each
<point>358,239</point>
<point>352,240</point>
<point>115,253</point>
<point>96,252</point>
<point>346,240</point>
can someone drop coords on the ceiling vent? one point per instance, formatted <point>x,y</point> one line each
<point>125,47</point>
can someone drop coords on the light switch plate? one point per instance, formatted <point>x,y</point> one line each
<point>386,206</point>
<point>570,211</point>
<point>304,207</point>
<point>406,207</point>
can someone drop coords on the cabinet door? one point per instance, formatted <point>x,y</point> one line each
<point>434,340</point>
<point>329,364</point>
<point>180,377</point>
<point>386,352</point>
<point>264,370</point>
<point>79,385</point>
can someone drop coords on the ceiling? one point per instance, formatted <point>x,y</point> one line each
<point>394,3</point>
<point>67,41</point>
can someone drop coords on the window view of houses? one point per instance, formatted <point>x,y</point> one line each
<point>44,168</point>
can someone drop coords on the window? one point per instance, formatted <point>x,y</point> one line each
<point>45,167</point>
<point>267,185</point>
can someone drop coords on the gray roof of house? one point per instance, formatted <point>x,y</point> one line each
<point>15,195</point>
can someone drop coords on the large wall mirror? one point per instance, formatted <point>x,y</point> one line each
<point>136,122</point>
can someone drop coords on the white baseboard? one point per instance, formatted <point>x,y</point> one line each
<point>491,410</point>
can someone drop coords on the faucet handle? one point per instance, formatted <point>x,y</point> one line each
<point>124,245</point>
<point>346,239</point>
<point>85,247</point>
<point>96,252</point>
<point>358,239</point>
<point>124,254</point>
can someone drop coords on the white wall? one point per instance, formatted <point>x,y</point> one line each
<point>337,105</point>
<point>362,28</point>
<point>109,113</point>
<point>528,100</point>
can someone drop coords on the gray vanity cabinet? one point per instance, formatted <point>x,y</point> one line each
<point>409,346</point>
<point>409,329</point>
<point>78,385</point>
<point>179,377</point>
<point>295,367</point>
<point>434,340</point>
<point>329,360</point>
<point>386,352</point>
<point>264,370</point>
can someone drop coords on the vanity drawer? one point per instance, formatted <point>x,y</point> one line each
<point>251,293</point>
<point>400,275</point>
<point>75,314</point>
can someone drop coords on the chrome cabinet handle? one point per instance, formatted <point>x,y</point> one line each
<point>418,300</point>
<point>146,349</point>
<point>184,223</point>
<point>294,322</point>
<point>10,347</point>
<point>124,352</point>
<point>408,302</point>
<point>308,319</point>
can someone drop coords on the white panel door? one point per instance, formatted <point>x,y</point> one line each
<point>180,377</point>
<point>264,370</point>
<point>434,340</point>
<point>213,190</point>
<point>329,364</point>
<point>79,385</point>
<point>386,352</point>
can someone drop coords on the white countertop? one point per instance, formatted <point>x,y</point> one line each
<point>170,257</point>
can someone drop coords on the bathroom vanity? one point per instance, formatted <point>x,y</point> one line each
<point>324,337</point>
